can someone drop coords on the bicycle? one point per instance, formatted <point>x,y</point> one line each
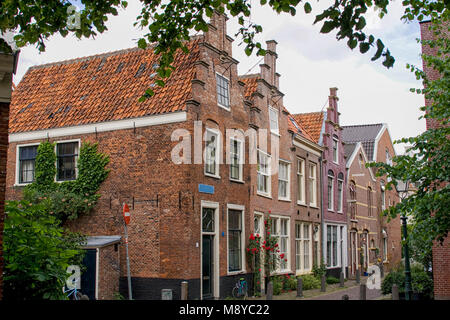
<point>76,295</point>
<point>240,289</point>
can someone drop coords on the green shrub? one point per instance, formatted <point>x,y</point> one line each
<point>421,282</point>
<point>292,283</point>
<point>310,282</point>
<point>395,276</point>
<point>333,280</point>
<point>277,285</point>
<point>319,271</point>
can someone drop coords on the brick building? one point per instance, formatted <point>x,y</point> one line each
<point>195,190</point>
<point>370,232</point>
<point>441,253</point>
<point>7,68</point>
<point>327,132</point>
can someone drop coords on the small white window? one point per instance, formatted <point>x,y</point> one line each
<point>211,153</point>
<point>312,185</point>
<point>340,198</point>
<point>263,174</point>
<point>301,181</point>
<point>66,163</point>
<point>223,91</point>
<point>280,229</point>
<point>284,181</point>
<point>273,117</point>
<point>26,161</point>
<point>335,149</point>
<point>330,189</point>
<point>236,160</point>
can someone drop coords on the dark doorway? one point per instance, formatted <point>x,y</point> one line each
<point>207,266</point>
<point>88,276</point>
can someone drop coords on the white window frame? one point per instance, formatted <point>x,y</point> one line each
<point>341,242</point>
<point>266,174</point>
<point>288,181</point>
<point>277,220</point>
<point>217,93</point>
<point>243,260</point>
<point>274,112</point>
<point>340,206</point>
<point>17,182</point>
<point>335,150</point>
<point>300,243</point>
<point>241,159</point>
<point>76,158</point>
<point>301,185</point>
<point>313,181</point>
<point>218,153</point>
<point>330,195</point>
<point>383,196</point>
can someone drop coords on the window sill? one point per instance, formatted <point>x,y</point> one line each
<point>265,195</point>
<point>302,272</point>
<point>302,204</point>
<point>275,133</point>
<point>313,206</point>
<point>22,184</point>
<point>212,176</point>
<point>237,181</point>
<point>233,273</point>
<point>284,199</point>
<point>353,220</point>
<point>223,107</point>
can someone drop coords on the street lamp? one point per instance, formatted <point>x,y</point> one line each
<point>403,191</point>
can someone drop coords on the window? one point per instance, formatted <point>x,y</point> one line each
<point>273,117</point>
<point>330,189</point>
<point>263,179</point>
<point>383,195</point>
<point>208,219</point>
<point>67,154</point>
<point>236,160</point>
<point>301,181</point>
<point>303,248</point>
<point>211,154</point>
<point>369,201</point>
<point>352,200</point>
<point>223,91</point>
<point>335,149</point>
<point>332,246</point>
<point>26,161</point>
<point>385,246</point>
<point>283,181</point>
<point>280,229</point>
<point>234,240</point>
<point>340,197</point>
<point>361,161</point>
<point>312,185</point>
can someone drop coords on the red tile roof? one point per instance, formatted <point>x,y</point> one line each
<point>99,88</point>
<point>312,122</point>
<point>251,85</point>
<point>297,127</point>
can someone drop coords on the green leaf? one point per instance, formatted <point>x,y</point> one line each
<point>328,26</point>
<point>307,7</point>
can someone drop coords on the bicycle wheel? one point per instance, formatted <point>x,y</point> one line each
<point>244,289</point>
<point>235,292</point>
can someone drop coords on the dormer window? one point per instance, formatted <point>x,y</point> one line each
<point>273,117</point>
<point>223,92</point>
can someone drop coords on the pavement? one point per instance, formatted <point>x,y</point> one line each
<point>333,292</point>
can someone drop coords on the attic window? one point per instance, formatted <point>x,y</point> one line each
<point>119,67</point>
<point>84,66</point>
<point>83,97</point>
<point>140,70</point>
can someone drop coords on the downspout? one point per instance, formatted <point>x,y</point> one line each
<point>322,239</point>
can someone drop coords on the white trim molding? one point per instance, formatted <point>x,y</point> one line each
<point>152,120</point>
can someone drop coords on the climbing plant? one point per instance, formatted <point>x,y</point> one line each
<point>69,199</point>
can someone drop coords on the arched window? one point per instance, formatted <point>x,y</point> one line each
<point>330,189</point>
<point>335,149</point>
<point>361,161</point>
<point>340,186</point>
<point>369,201</point>
<point>383,195</point>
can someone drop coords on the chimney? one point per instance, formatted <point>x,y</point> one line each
<point>269,68</point>
<point>217,33</point>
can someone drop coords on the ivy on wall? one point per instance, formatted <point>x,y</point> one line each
<point>69,199</point>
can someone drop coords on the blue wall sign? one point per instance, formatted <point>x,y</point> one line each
<point>204,188</point>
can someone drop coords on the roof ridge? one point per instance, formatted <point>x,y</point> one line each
<point>305,113</point>
<point>363,125</point>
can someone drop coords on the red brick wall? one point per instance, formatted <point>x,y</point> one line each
<point>4,115</point>
<point>441,253</point>
<point>109,273</point>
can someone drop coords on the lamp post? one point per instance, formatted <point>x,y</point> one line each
<point>403,194</point>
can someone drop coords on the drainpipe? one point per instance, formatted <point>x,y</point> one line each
<point>322,239</point>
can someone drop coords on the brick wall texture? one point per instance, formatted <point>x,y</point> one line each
<point>441,252</point>
<point>4,113</point>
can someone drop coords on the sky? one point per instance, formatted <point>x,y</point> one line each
<point>309,63</point>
